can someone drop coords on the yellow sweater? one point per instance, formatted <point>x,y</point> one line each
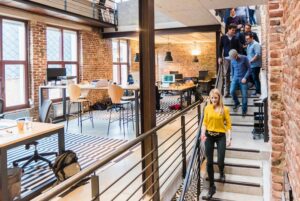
<point>216,122</point>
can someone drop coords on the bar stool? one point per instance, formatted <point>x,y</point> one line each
<point>74,94</point>
<point>115,92</point>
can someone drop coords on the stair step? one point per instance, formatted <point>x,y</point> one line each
<point>239,184</point>
<point>243,129</point>
<point>250,109</point>
<point>241,119</point>
<point>227,196</point>
<point>238,166</point>
<point>243,124</point>
<point>230,101</point>
<point>241,153</point>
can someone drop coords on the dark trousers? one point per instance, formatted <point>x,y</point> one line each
<point>251,17</point>
<point>255,76</point>
<point>220,140</point>
<point>226,74</point>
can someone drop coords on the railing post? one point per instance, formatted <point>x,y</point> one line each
<point>95,188</point>
<point>199,113</point>
<point>183,146</point>
<point>199,169</point>
<point>65,3</point>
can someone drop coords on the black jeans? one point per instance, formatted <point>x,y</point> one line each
<point>220,140</point>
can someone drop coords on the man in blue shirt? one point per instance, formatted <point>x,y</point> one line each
<point>240,71</point>
<point>254,56</point>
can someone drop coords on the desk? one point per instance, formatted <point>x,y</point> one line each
<point>13,138</point>
<point>181,89</point>
<point>135,88</point>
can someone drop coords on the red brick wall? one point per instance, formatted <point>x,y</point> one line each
<point>37,61</point>
<point>96,61</point>
<point>284,85</point>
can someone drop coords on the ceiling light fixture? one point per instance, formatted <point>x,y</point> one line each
<point>168,57</point>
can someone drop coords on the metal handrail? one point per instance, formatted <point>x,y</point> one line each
<point>92,168</point>
<point>91,9</point>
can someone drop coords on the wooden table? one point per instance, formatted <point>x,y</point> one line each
<point>10,138</point>
<point>135,88</point>
<point>181,89</point>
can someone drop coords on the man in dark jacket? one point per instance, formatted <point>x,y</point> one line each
<point>242,37</point>
<point>227,42</point>
<point>234,19</point>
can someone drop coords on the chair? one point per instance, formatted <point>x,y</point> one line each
<point>44,112</point>
<point>75,97</point>
<point>115,92</point>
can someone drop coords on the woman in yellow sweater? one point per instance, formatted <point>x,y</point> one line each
<point>216,125</point>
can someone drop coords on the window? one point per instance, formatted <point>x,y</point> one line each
<point>13,64</point>
<point>62,52</point>
<point>120,61</point>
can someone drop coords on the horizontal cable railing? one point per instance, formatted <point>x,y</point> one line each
<point>172,142</point>
<point>103,12</point>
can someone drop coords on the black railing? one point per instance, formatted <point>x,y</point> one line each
<point>172,147</point>
<point>193,175</point>
<point>103,12</point>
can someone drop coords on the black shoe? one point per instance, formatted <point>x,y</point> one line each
<point>244,113</point>
<point>236,107</point>
<point>211,191</point>
<point>227,95</point>
<point>222,177</point>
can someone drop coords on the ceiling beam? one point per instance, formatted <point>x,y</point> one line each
<point>179,30</point>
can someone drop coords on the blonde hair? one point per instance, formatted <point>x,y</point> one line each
<point>220,102</point>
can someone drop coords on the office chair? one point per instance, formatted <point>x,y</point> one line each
<point>1,108</point>
<point>44,112</point>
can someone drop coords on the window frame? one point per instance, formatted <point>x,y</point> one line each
<point>119,63</point>
<point>62,62</point>
<point>24,62</point>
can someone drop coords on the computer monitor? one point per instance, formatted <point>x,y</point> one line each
<point>203,74</point>
<point>53,73</point>
<point>178,77</point>
<point>174,72</point>
<point>168,78</point>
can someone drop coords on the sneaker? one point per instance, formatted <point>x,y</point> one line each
<point>236,107</point>
<point>254,94</point>
<point>227,95</point>
<point>244,113</point>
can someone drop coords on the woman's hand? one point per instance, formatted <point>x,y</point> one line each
<point>228,142</point>
<point>203,137</point>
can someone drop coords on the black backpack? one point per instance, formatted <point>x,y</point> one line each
<point>65,166</point>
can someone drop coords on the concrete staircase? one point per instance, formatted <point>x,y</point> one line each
<point>243,166</point>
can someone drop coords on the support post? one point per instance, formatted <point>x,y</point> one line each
<point>147,86</point>
<point>95,188</point>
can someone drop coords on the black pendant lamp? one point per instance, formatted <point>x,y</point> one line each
<point>137,57</point>
<point>195,59</point>
<point>168,57</point>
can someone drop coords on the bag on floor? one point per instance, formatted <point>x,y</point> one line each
<point>65,166</point>
<point>14,182</point>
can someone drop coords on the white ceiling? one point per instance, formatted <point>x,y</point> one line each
<point>178,13</point>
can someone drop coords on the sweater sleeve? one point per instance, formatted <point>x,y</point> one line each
<point>227,118</point>
<point>205,119</point>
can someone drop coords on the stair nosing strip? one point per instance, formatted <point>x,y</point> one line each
<point>241,149</point>
<point>243,125</point>
<point>237,183</point>
<point>240,165</point>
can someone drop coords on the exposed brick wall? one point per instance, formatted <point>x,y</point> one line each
<point>37,61</point>
<point>284,85</point>
<point>182,59</point>
<point>134,48</point>
<point>96,61</point>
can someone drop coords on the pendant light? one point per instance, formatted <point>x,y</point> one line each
<point>168,57</point>
<point>195,53</point>
<point>137,57</point>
